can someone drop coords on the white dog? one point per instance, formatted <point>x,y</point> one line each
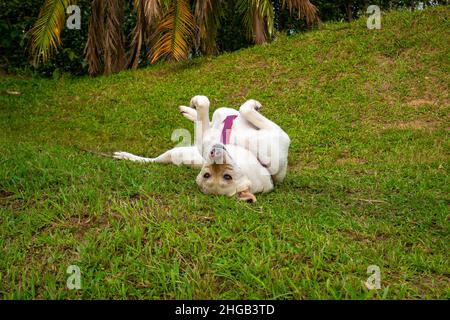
<point>239,152</point>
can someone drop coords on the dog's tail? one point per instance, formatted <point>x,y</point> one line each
<point>131,157</point>
<point>118,155</point>
<point>101,154</point>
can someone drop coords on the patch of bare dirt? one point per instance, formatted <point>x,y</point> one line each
<point>343,161</point>
<point>429,125</point>
<point>346,158</point>
<point>8,200</point>
<point>420,102</point>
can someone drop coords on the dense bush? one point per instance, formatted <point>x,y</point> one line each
<point>17,18</point>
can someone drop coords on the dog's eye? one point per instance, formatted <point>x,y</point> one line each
<point>227,177</point>
<point>206,175</point>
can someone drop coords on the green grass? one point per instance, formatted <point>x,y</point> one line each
<point>368,182</point>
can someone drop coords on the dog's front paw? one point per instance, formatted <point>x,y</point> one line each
<point>200,102</point>
<point>188,112</point>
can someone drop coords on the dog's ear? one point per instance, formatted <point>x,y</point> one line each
<point>246,195</point>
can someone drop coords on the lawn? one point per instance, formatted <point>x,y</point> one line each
<point>368,182</point>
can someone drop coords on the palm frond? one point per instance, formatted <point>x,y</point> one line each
<point>147,12</point>
<point>305,9</point>
<point>258,18</point>
<point>174,33</point>
<point>152,9</point>
<point>138,34</point>
<point>207,16</point>
<point>114,52</point>
<point>105,45</point>
<point>94,45</point>
<point>46,32</point>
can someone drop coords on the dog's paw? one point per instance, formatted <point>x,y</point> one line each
<point>250,105</point>
<point>188,112</point>
<point>200,102</point>
<point>256,104</point>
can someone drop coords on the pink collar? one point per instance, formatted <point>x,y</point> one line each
<point>226,131</point>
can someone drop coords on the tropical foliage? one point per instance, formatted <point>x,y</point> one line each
<point>143,31</point>
<point>169,29</point>
<point>46,33</point>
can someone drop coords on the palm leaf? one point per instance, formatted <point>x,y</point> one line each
<point>147,12</point>
<point>174,33</point>
<point>114,52</point>
<point>152,9</point>
<point>94,45</point>
<point>46,32</point>
<point>305,9</point>
<point>207,16</point>
<point>258,18</point>
<point>105,45</point>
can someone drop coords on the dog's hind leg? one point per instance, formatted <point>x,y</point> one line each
<point>249,110</point>
<point>279,176</point>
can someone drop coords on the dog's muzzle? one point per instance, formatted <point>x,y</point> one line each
<point>217,153</point>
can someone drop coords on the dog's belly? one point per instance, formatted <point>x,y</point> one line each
<point>268,146</point>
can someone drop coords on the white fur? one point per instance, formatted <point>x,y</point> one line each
<point>258,146</point>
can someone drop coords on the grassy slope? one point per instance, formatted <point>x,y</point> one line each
<point>367,112</point>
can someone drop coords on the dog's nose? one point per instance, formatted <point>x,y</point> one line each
<point>219,146</point>
<point>217,151</point>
